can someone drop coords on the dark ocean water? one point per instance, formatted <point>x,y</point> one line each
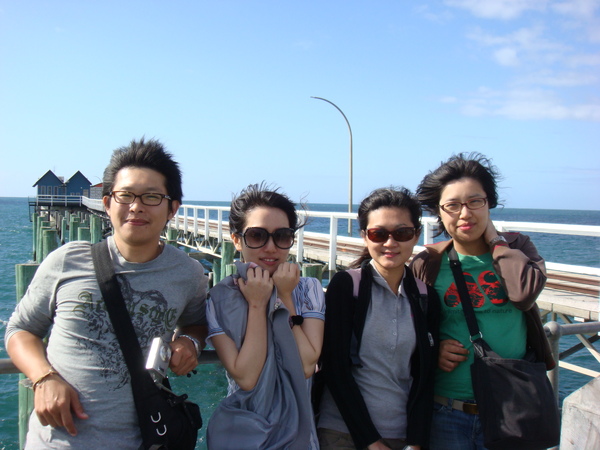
<point>209,386</point>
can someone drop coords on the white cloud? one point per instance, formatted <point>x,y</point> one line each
<point>448,99</point>
<point>499,9</point>
<point>437,16</point>
<point>583,60</point>
<point>507,56</point>
<point>584,9</point>
<point>524,104</point>
<point>526,38</point>
<point>564,79</point>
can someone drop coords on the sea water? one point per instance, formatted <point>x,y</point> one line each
<point>209,386</point>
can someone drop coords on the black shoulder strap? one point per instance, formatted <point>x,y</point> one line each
<point>463,292</point>
<point>119,316</point>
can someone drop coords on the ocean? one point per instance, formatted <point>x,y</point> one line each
<point>209,386</point>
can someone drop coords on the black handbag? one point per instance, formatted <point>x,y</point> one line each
<point>166,420</point>
<point>517,406</point>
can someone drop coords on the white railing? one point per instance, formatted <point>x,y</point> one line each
<point>429,230</point>
<point>93,203</point>
<point>58,200</point>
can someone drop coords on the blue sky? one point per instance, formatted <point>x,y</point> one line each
<point>227,86</point>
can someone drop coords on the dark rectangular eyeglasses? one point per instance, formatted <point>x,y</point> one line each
<point>148,198</point>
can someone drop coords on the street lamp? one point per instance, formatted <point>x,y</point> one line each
<point>350,171</point>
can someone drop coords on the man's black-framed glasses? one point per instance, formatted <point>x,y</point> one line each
<point>456,207</point>
<point>256,237</point>
<point>147,198</point>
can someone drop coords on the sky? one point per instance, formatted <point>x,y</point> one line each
<point>226,86</point>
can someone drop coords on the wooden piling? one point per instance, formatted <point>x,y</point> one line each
<point>84,234</point>
<point>216,270</point>
<point>95,229</point>
<point>42,225</point>
<point>313,270</point>
<point>73,225</point>
<point>24,274</point>
<point>34,221</point>
<point>49,241</point>
<point>64,227</point>
<point>230,269</point>
<point>172,234</point>
<point>227,253</point>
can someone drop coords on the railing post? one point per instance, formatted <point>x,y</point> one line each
<point>220,226</point>
<point>206,226</point>
<point>333,246</point>
<point>553,332</point>
<point>428,236</point>
<point>300,246</point>
<point>195,221</point>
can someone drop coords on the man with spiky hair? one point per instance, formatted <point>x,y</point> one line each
<point>82,390</point>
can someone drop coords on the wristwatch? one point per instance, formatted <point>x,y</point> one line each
<point>196,343</point>
<point>496,240</point>
<point>296,320</point>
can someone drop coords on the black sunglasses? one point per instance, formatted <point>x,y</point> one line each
<point>256,237</point>
<point>401,234</point>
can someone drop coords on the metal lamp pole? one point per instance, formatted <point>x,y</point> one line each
<point>350,172</point>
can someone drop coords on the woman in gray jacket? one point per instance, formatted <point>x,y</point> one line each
<point>266,324</point>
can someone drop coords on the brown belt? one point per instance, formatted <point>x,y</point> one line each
<point>469,408</point>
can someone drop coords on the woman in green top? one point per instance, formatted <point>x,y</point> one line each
<point>504,275</point>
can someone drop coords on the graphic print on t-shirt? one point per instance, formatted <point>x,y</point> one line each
<point>150,317</point>
<point>487,282</point>
<point>492,288</point>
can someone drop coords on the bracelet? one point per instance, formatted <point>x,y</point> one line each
<point>41,379</point>
<point>196,343</point>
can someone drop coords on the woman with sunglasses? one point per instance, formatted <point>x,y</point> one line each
<point>266,324</point>
<point>379,350</point>
<point>504,274</point>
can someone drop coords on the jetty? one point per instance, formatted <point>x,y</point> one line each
<point>571,295</point>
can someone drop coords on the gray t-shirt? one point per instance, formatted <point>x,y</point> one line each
<point>64,300</point>
<point>387,344</point>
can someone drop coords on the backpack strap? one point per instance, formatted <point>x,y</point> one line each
<point>423,293</point>
<point>356,275</point>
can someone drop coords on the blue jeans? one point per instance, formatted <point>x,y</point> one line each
<point>455,430</point>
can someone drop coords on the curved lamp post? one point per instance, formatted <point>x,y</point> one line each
<point>350,172</point>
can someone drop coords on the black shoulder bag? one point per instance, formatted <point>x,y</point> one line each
<point>166,420</point>
<point>517,406</point>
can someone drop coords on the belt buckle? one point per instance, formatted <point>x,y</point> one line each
<point>470,408</point>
